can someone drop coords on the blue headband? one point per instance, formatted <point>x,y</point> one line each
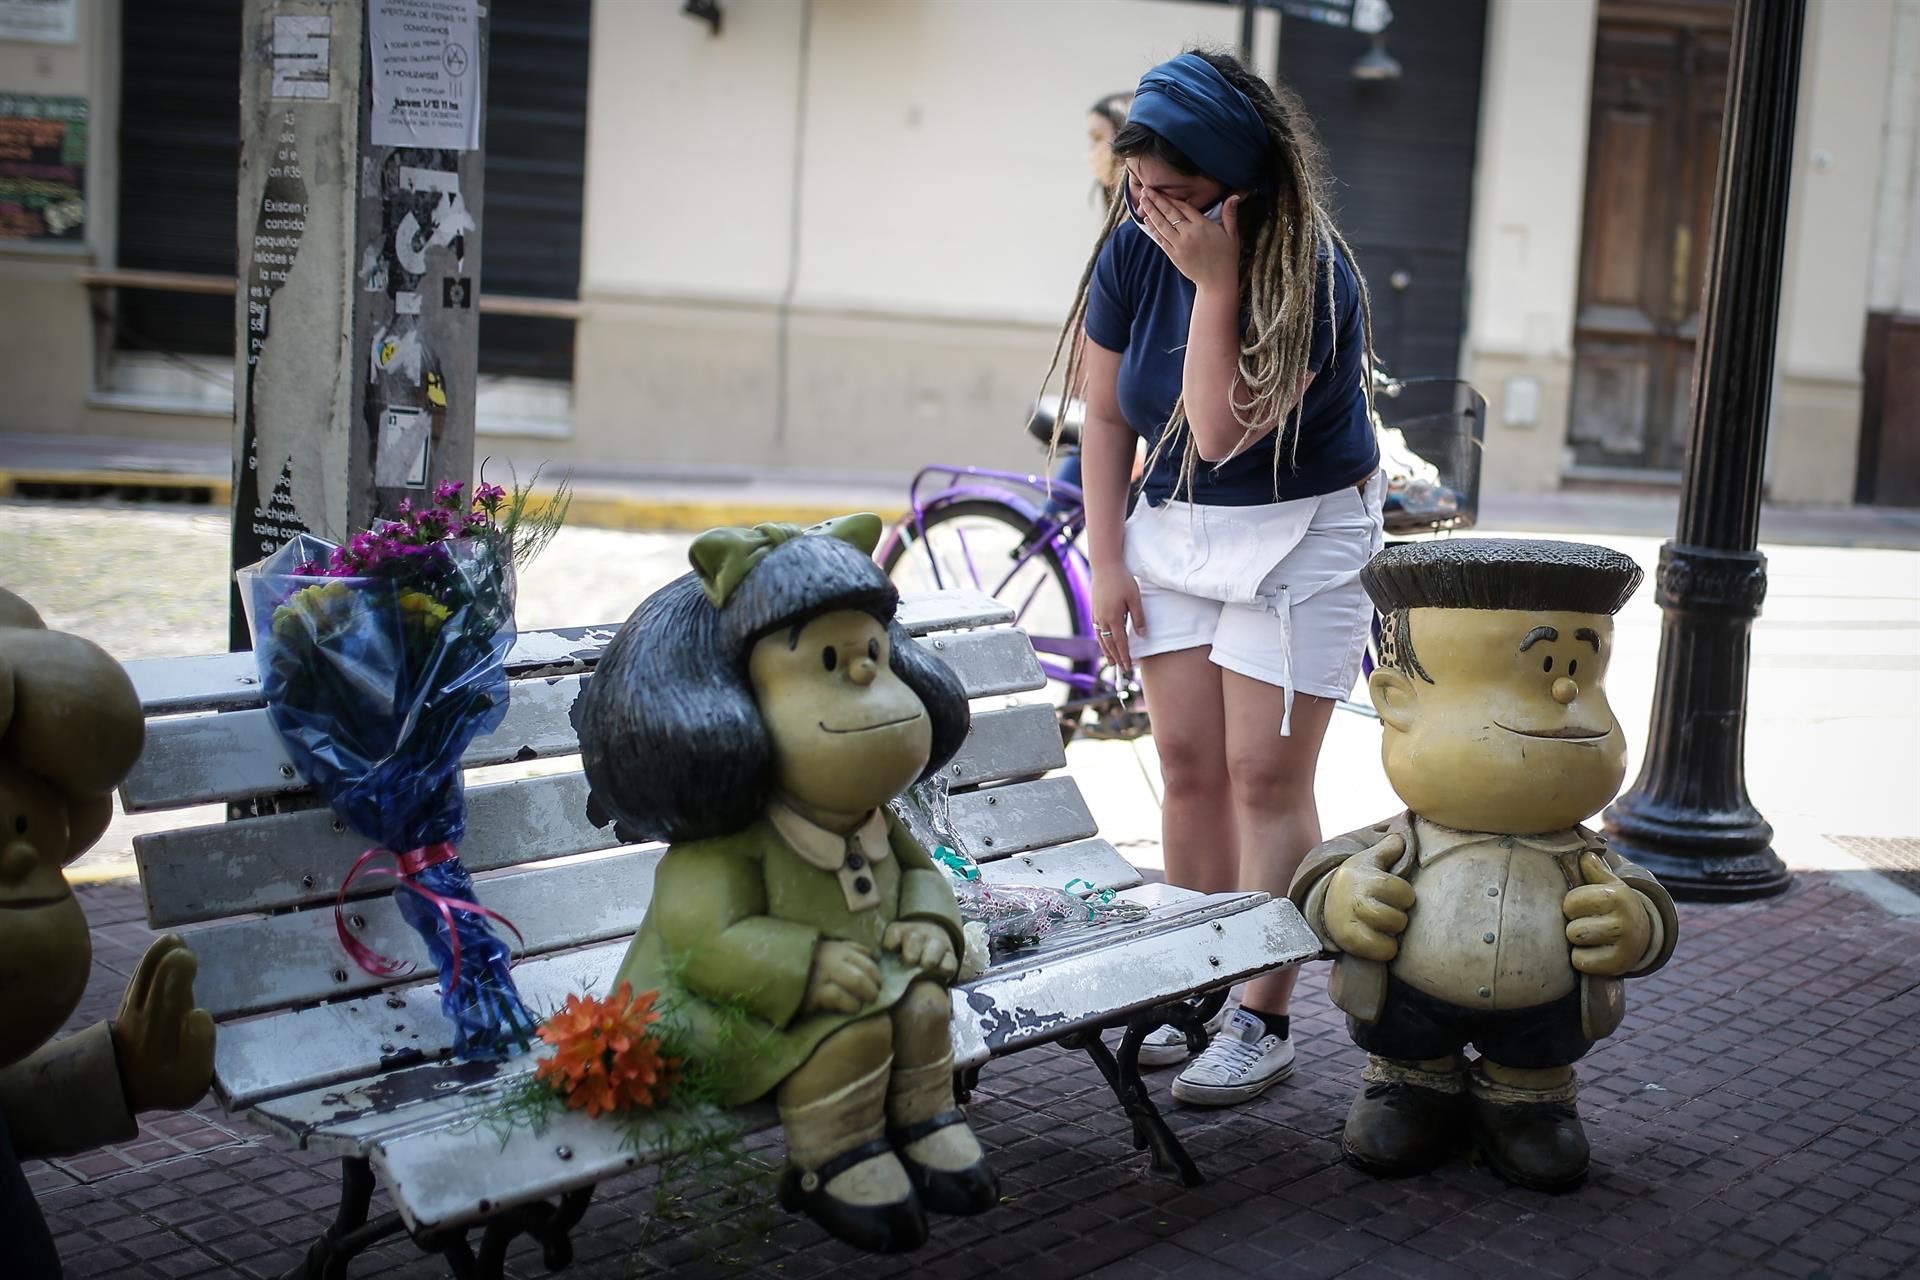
<point>1192,106</point>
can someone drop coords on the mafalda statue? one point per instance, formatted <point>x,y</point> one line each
<point>759,713</point>
<point>1486,914</point>
<point>70,729</point>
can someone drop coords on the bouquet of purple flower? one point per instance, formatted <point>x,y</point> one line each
<point>380,661</point>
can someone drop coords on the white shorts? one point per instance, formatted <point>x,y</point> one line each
<point>1273,591</point>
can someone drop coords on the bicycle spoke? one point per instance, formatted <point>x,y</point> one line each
<point>966,554</point>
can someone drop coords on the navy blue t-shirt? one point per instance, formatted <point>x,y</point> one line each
<point>1139,305</point>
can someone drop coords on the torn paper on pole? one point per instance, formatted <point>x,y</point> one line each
<point>426,73</point>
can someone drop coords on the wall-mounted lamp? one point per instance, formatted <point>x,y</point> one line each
<point>1376,63</point>
<point>708,11</point>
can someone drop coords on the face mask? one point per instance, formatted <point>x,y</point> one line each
<point>1215,212</point>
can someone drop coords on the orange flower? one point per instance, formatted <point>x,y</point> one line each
<point>606,1056</point>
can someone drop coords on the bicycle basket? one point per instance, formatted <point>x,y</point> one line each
<point>1431,433</point>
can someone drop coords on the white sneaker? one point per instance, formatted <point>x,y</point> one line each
<point>1167,1045</point>
<point>1243,1062</point>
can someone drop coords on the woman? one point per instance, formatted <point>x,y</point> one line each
<point>1105,119</point>
<point>1226,324</point>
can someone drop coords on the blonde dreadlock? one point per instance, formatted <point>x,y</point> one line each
<point>1283,229</point>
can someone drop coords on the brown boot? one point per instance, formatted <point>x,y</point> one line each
<point>1407,1117</point>
<point>1531,1137</point>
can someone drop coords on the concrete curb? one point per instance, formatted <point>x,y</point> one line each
<point>695,515</point>
<point>219,488</point>
<point>591,510</point>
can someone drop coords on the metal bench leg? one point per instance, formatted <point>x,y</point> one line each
<point>1150,1131</point>
<point>351,1233</point>
<point>551,1225</point>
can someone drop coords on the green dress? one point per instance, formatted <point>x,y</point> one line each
<point>734,920</point>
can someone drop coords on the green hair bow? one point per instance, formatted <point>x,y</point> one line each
<point>724,557</point>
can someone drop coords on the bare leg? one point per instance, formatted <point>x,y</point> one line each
<point>1197,827</point>
<point>1272,793</point>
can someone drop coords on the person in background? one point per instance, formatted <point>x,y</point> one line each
<point>1105,118</point>
<point>1225,323</point>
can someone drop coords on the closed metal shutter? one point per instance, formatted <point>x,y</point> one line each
<point>1402,155</point>
<point>536,178</point>
<point>179,168</point>
<point>179,172</point>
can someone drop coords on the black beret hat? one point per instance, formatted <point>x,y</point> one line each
<point>1500,573</point>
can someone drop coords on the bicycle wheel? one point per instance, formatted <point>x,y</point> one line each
<point>979,543</point>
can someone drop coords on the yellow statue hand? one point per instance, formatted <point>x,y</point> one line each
<point>1366,904</point>
<point>923,944</point>
<point>1606,921</point>
<point>164,1043</point>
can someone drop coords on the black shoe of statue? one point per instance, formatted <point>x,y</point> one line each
<point>1396,1129</point>
<point>961,1192</point>
<point>1539,1145</point>
<point>897,1227</point>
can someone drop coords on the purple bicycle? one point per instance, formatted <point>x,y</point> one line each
<point>1006,534</point>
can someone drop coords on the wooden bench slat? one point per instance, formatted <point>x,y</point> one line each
<point>447,1173</point>
<point>452,1174</point>
<point>262,1059</point>
<point>282,860</point>
<point>997,821</point>
<point>345,1039</point>
<point>270,962</point>
<point>1011,742</point>
<point>238,754</point>
<point>299,859</point>
<point>346,1114</point>
<point>231,681</point>
<point>927,611</point>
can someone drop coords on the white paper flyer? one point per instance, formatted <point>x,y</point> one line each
<point>426,73</point>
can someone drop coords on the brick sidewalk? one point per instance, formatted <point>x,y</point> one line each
<point>1754,1117</point>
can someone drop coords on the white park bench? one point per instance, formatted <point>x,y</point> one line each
<point>336,1060</point>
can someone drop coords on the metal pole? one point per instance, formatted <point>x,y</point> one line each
<point>1246,31</point>
<point>1688,818</point>
<point>359,239</point>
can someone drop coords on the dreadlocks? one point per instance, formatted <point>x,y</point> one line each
<point>1287,238</point>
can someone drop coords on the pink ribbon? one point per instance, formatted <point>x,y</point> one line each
<point>408,864</point>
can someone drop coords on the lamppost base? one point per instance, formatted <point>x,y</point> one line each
<point>1701,862</point>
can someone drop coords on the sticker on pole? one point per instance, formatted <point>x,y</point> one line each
<point>426,73</point>
<point>402,460</point>
<point>302,56</point>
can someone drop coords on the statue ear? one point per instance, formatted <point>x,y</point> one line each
<point>1393,697</point>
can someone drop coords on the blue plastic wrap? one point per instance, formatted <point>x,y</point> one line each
<point>377,688</point>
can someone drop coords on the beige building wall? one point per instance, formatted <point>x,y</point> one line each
<point>1813,447</point>
<point>46,329</point>
<point>1528,212</point>
<point>856,246</point>
<point>842,233</point>
<point>1523,260</point>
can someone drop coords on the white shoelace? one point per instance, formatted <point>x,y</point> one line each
<point>1229,1057</point>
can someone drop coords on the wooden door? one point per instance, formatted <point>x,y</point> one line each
<point>1659,88</point>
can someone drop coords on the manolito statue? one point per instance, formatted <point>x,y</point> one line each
<point>1485,914</point>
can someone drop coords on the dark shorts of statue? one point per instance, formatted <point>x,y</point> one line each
<point>1415,1027</point>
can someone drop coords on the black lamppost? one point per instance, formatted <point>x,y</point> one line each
<point>1688,818</point>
